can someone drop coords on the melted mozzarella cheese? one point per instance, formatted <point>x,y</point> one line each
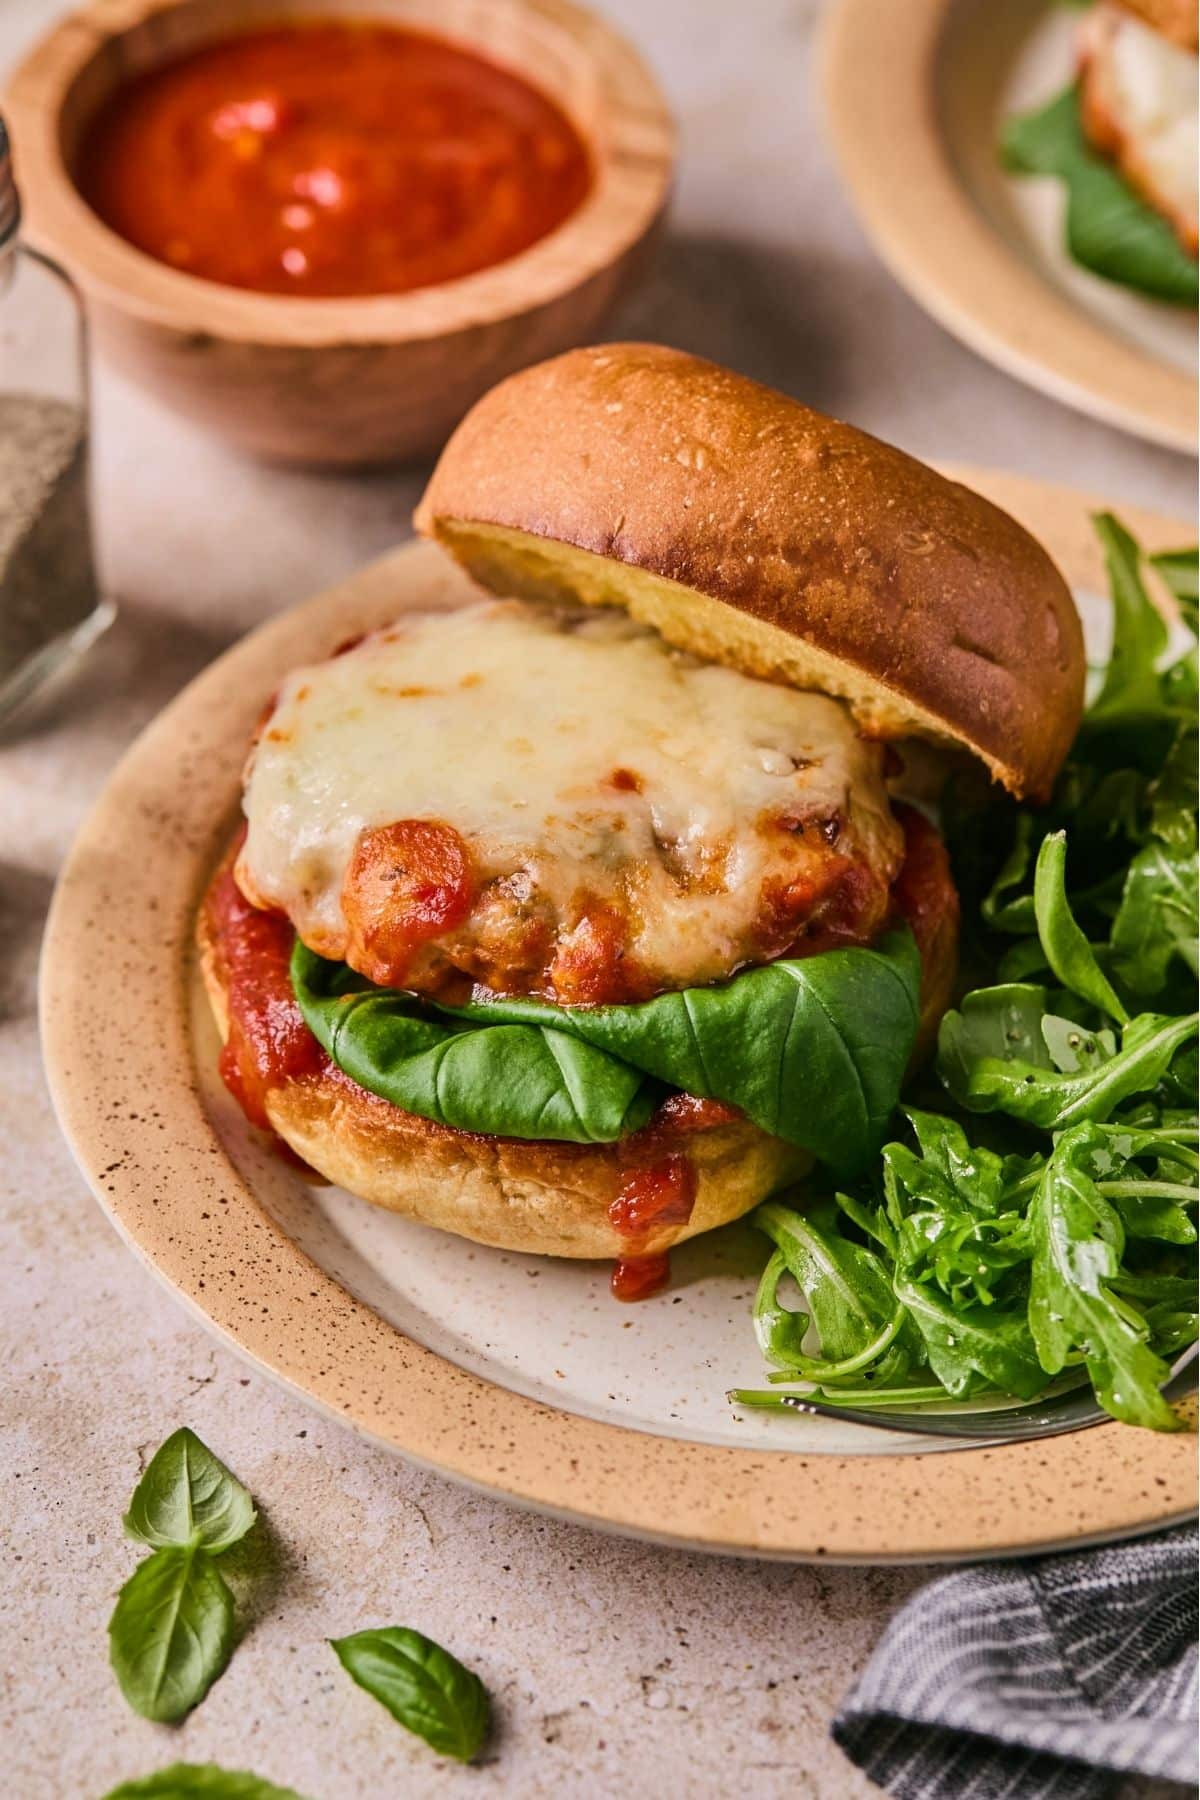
<point>574,753</point>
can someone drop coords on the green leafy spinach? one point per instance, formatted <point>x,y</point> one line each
<point>813,1050</point>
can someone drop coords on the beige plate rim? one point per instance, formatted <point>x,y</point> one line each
<point>118,1048</point>
<point>877,72</point>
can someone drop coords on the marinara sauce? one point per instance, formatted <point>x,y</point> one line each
<point>332,159</point>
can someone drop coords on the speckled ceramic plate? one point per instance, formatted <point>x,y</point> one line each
<point>516,1374</point>
<point>915,96</point>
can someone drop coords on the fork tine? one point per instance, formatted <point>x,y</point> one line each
<point>1074,1411</point>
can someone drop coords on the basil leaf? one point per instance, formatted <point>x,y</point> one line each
<point>423,1687</point>
<point>1067,950</point>
<point>812,1049</point>
<point>1109,228</point>
<point>200,1781</point>
<point>507,1081</point>
<point>1078,1245</point>
<point>187,1496</point>
<point>171,1632</point>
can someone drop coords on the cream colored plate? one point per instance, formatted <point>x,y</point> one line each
<point>916,93</point>
<point>515,1374</point>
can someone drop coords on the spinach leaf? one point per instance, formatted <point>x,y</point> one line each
<point>171,1632</point>
<point>812,1049</point>
<point>200,1781</point>
<point>1073,1308</point>
<point>1109,228</point>
<point>187,1496</point>
<point>1066,949</point>
<point>508,1081</point>
<point>423,1687</point>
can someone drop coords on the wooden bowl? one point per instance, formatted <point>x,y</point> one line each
<point>343,381</point>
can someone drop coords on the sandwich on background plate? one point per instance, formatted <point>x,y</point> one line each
<point>1125,139</point>
<point>1139,101</point>
<point>580,919</point>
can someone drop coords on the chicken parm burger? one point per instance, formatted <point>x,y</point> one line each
<point>580,918</point>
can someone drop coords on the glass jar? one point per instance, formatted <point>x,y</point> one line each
<point>51,607</point>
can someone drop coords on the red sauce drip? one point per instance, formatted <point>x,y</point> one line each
<point>652,1199</point>
<point>332,158</point>
<point>268,1041</point>
<point>637,1277</point>
<point>406,883</point>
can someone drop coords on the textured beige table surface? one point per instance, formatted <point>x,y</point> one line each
<point>616,1668</point>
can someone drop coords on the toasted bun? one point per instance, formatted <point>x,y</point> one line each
<point>751,530</point>
<point>542,1198</point>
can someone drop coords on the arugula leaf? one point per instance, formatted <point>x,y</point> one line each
<point>1066,949</point>
<point>200,1781</point>
<point>171,1632</point>
<point>1159,916</point>
<point>964,1343</point>
<point>1073,1309</point>
<point>187,1496</point>
<point>812,1049</point>
<point>1023,1090</point>
<point>425,1689</point>
<point>845,1286</point>
<point>1109,228</point>
<point>1131,680</point>
<point>1180,569</point>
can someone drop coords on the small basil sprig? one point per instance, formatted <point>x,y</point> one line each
<point>172,1630</point>
<point>425,1689</point>
<point>200,1781</point>
<point>188,1497</point>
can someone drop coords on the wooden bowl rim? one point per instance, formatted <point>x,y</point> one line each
<point>633,175</point>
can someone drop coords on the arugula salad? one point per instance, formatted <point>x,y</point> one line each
<point>1034,1214</point>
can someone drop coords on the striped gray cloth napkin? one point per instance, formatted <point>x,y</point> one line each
<point>1044,1680</point>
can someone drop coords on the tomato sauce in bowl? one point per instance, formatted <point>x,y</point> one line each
<point>332,159</point>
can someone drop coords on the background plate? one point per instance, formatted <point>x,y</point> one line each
<point>516,1374</point>
<point>915,96</point>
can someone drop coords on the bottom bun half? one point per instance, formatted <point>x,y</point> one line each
<point>546,1199</point>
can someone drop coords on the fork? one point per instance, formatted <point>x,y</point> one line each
<point>1073,1411</point>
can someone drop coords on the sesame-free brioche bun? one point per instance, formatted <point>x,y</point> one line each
<point>545,1199</point>
<point>749,529</point>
